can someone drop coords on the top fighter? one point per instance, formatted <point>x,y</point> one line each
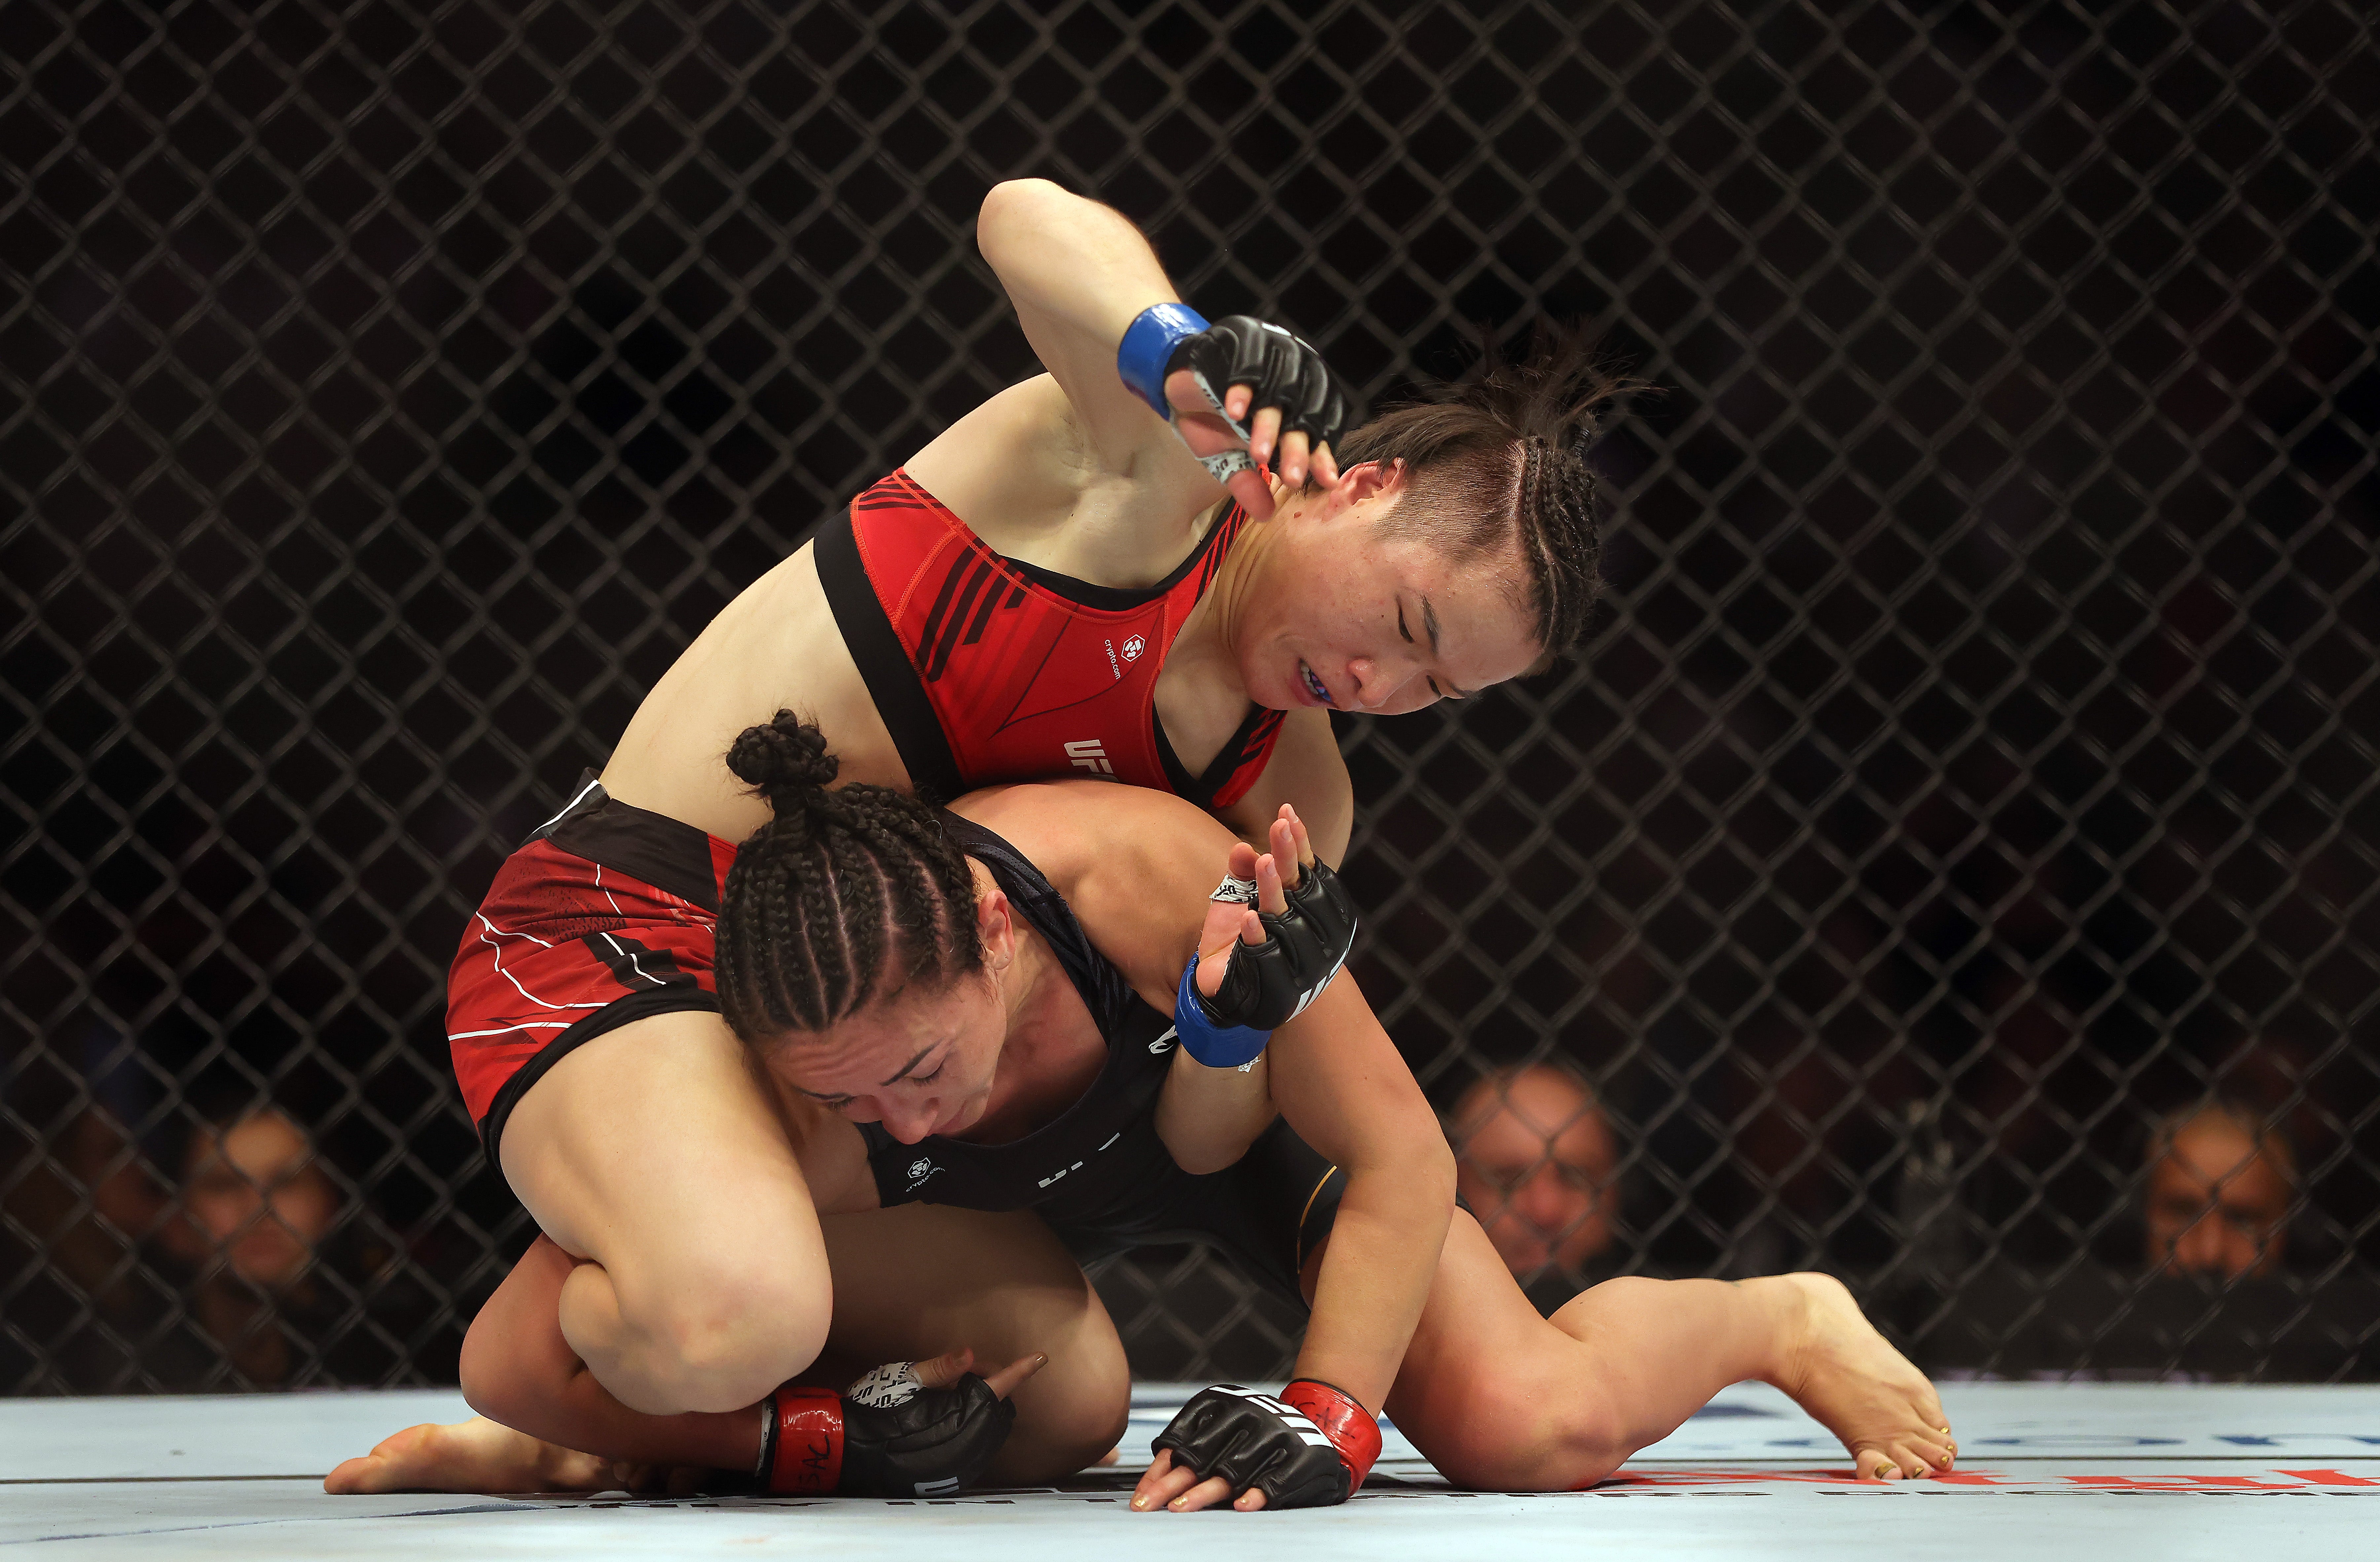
<point>1058,587</point>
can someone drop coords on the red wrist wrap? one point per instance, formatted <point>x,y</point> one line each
<point>809,1442</point>
<point>1353,1430</point>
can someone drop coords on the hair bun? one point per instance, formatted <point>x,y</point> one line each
<point>785,757</point>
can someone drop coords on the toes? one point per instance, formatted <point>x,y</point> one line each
<point>352,1478</point>
<point>1911,1460</point>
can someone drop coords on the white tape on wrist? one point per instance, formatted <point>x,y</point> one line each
<point>1234,888</point>
<point>894,1383</point>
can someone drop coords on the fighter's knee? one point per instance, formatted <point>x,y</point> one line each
<point>726,1343</point>
<point>1513,1436</point>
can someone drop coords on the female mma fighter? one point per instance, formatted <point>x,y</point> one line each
<point>1045,533</point>
<point>977,1013</point>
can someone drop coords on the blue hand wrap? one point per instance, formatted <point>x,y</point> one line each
<point>1218,1047</point>
<point>1148,343</point>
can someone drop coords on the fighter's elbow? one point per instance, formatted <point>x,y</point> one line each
<point>1417,1169</point>
<point>1433,1176</point>
<point>1013,210</point>
<point>1204,1154</point>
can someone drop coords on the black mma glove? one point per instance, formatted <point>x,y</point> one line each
<point>1280,369</point>
<point>1268,984</point>
<point>1310,1448</point>
<point>887,1436</point>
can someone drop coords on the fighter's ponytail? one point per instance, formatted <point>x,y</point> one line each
<point>844,896</point>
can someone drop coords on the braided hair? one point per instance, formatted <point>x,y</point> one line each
<point>1497,461</point>
<point>842,897</point>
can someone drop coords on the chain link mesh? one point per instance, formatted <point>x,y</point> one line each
<point>1974,762</point>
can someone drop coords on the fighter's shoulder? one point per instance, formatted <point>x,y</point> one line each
<point>1126,858</point>
<point>1074,830</point>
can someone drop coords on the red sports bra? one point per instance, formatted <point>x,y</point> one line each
<point>987,670</point>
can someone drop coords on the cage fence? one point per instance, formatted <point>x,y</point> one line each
<point>1972,774</point>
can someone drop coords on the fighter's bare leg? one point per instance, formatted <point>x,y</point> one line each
<point>1498,1396</point>
<point>692,1300</point>
<point>909,1283</point>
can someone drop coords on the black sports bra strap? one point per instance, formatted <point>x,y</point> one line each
<point>885,667</point>
<point>1103,988</point>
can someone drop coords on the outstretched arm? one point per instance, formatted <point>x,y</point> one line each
<point>1340,1082</point>
<point>1336,1077</point>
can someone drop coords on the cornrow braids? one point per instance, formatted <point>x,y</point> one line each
<point>1496,462</point>
<point>844,896</point>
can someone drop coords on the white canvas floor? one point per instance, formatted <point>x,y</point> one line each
<point>2111,1472</point>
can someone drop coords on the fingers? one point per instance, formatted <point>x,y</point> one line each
<point>1225,921</point>
<point>1161,1483</point>
<point>1264,436</point>
<point>1291,844</point>
<point>1304,842</point>
<point>1006,1380</point>
<point>1177,1489</point>
<point>1269,892</point>
<point>1291,460</point>
<point>941,1371</point>
<point>1253,493</point>
<point>1206,1494</point>
<point>1325,466</point>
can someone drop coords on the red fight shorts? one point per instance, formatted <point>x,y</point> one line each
<point>607,914</point>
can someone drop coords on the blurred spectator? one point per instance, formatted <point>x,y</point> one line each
<point>223,1257</point>
<point>2220,1183</point>
<point>253,1207</point>
<point>1535,1161</point>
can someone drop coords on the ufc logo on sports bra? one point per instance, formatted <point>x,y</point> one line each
<point>1088,755</point>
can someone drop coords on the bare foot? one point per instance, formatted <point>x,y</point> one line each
<point>1855,1385</point>
<point>468,1456</point>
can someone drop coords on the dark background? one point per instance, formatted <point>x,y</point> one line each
<point>1974,760</point>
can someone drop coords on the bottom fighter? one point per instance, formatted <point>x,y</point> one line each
<point>998,987</point>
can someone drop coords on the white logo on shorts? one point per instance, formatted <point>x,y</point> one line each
<point>1165,1042</point>
<point>1133,648</point>
<point>919,1168</point>
<point>1090,754</point>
